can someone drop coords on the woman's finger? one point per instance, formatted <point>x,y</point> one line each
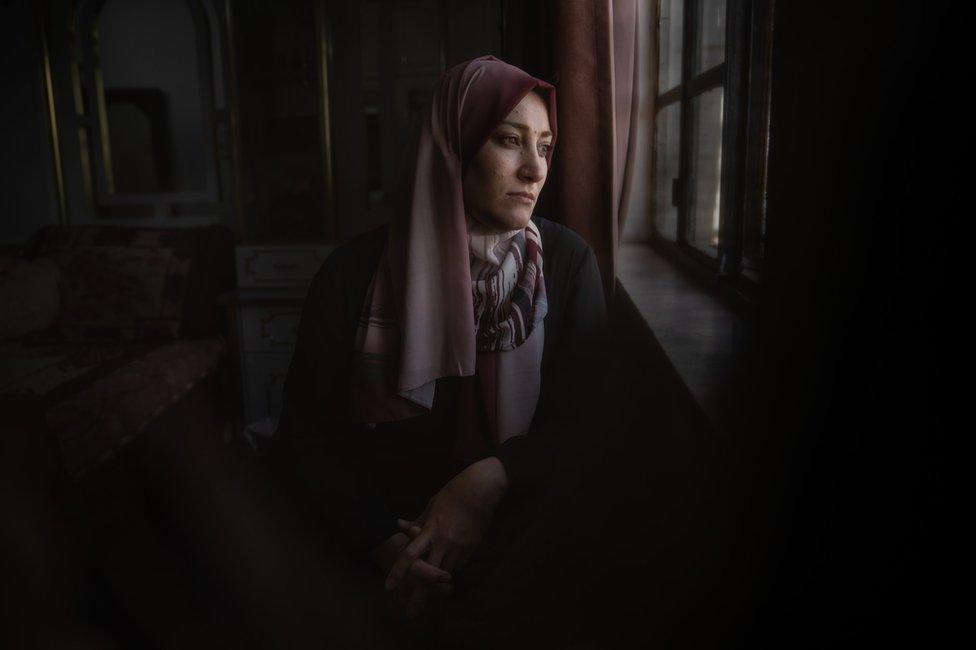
<point>408,555</point>
<point>422,519</point>
<point>428,572</point>
<point>409,527</point>
<point>437,554</point>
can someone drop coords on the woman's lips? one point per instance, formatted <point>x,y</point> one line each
<point>523,197</point>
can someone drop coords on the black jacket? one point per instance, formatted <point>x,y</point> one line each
<point>355,481</point>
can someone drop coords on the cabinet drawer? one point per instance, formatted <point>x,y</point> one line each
<point>269,328</point>
<point>278,266</point>
<point>264,377</point>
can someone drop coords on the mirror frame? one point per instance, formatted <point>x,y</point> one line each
<point>207,28</point>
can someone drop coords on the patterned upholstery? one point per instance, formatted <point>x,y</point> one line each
<point>138,283</point>
<point>98,420</point>
<point>138,329</point>
<point>46,373</point>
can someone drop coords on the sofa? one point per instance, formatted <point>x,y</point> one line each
<point>105,328</point>
<point>116,479</point>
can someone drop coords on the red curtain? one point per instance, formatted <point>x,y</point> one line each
<point>596,61</point>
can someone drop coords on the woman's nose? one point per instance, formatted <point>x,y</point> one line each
<point>533,167</point>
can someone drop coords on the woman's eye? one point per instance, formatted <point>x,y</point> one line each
<point>544,148</point>
<point>510,139</point>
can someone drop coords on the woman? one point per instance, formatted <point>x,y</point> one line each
<point>439,359</point>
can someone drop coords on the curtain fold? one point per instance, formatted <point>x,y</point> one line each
<point>626,103</point>
<point>596,51</point>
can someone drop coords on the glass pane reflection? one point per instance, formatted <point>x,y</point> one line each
<point>710,35</point>
<point>667,147</point>
<point>706,171</point>
<point>670,28</point>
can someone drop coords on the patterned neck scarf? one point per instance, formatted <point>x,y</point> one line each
<point>509,298</point>
<point>509,293</point>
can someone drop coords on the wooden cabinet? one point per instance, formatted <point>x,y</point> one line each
<point>269,329</point>
<point>279,265</point>
<point>266,309</point>
<point>263,379</point>
<point>387,59</point>
<point>282,100</point>
<point>265,327</point>
<point>285,201</point>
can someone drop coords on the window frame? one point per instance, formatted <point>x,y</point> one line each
<point>744,77</point>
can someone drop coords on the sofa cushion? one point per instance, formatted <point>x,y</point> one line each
<point>138,283</point>
<point>132,292</point>
<point>29,295</point>
<point>33,374</point>
<point>92,424</point>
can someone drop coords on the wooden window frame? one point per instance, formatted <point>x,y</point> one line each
<point>744,77</point>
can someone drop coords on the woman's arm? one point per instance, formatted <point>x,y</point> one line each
<point>457,517</point>
<point>570,387</point>
<point>311,452</point>
<point>454,521</point>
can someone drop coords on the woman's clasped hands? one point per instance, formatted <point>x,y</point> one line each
<point>444,536</point>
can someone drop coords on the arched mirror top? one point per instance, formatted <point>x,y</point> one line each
<point>150,69</point>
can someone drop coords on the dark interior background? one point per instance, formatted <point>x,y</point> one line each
<point>832,484</point>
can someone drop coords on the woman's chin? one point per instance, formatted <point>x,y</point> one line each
<point>516,220</point>
<point>506,221</point>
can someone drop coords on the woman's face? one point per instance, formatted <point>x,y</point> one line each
<point>503,181</point>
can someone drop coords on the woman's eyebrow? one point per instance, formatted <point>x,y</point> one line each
<point>525,127</point>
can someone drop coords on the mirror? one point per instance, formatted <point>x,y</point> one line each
<point>153,103</point>
<point>154,87</point>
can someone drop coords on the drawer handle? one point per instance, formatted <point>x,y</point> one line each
<point>284,267</point>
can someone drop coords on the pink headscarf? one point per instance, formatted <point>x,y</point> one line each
<point>425,301</point>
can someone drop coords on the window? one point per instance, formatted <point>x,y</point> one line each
<point>709,137</point>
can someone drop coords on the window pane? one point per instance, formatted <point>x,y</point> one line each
<point>670,27</point>
<point>709,35</point>
<point>667,136</point>
<point>705,173</point>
